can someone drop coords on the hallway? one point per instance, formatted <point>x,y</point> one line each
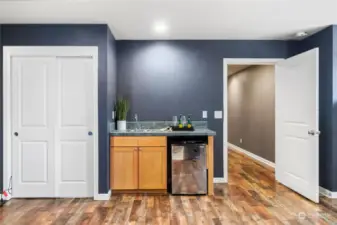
<point>256,194</point>
<point>252,197</point>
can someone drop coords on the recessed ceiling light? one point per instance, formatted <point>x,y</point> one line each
<point>160,27</point>
<point>301,34</point>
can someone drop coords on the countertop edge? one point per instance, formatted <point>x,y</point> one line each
<point>204,132</point>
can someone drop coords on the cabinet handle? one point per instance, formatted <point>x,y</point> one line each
<point>135,149</point>
<point>139,149</point>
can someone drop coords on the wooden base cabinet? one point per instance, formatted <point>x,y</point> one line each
<point>124,166</point>
<point>152,167</point>
<point>138,163</point>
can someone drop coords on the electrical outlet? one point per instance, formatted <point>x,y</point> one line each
<point>217,114</point>
<point>240,140</point>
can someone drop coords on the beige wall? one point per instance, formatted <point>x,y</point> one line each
<point>251,110</point>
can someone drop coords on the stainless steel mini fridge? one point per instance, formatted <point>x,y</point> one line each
<point>189,172</point>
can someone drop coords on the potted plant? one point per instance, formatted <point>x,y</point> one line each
<point>122,107</point>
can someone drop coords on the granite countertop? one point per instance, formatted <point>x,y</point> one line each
<point>155,132</point>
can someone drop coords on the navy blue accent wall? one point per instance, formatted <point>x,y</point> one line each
<point>79,35</point>
<point>334,110</point>
<point>327,109</point>
<point>166,78</point>
<point>111,90</point>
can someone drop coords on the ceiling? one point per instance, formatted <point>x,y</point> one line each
<point>233,69</point>
<point>186,19</point>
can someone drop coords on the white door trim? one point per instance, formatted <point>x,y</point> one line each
<point>52,51</point>
<point>236,61</point>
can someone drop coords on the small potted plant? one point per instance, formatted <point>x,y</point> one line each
<point>122,107</point>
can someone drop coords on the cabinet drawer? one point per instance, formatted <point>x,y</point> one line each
<point>124,141</point>
<point>152,141</point>
<point>138,141</point>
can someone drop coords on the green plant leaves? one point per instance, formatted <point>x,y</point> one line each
<point>122,108</point>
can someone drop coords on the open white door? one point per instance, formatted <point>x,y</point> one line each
<point>296,108</point>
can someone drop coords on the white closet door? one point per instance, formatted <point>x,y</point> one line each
<point>74,126</point>
<point>33,118</point>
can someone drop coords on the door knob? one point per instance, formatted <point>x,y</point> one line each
<point>16,133</point>
<point>90,133</point>
<point>314,132</point>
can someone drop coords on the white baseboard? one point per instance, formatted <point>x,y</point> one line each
<point>103,197</point>
<point>256,157</point>
<point>327,193</point>
<point>219,180</point>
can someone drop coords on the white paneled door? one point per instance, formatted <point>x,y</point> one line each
<point>74,126</point>
<point>33,116</point>
<point>297,133</point>
<point>52,125</point>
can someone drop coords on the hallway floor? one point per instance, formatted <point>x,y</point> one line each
<point>252,197</point>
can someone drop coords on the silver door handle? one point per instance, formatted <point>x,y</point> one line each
<point>314,132</point>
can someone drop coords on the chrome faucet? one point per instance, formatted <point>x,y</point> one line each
<point>137,123</point>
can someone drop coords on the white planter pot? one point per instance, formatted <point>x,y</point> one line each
<point>121,125</point>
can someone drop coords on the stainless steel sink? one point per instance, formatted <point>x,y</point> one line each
<point>142,130</point>
<point>146,130</point>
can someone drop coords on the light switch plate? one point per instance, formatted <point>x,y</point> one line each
<point>204,114</point>
<point>217,114</point>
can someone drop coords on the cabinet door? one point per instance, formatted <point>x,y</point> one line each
<point>124,168</point>
<point>152,167</point>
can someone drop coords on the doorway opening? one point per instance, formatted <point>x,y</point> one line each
<point>251,111</point>
<point>231,67</point>
<point>271,115</point>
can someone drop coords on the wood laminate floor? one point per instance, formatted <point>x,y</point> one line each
<point>252,197</point>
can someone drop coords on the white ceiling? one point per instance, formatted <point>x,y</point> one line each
<point>186,19</point>
<point>233,69</point>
